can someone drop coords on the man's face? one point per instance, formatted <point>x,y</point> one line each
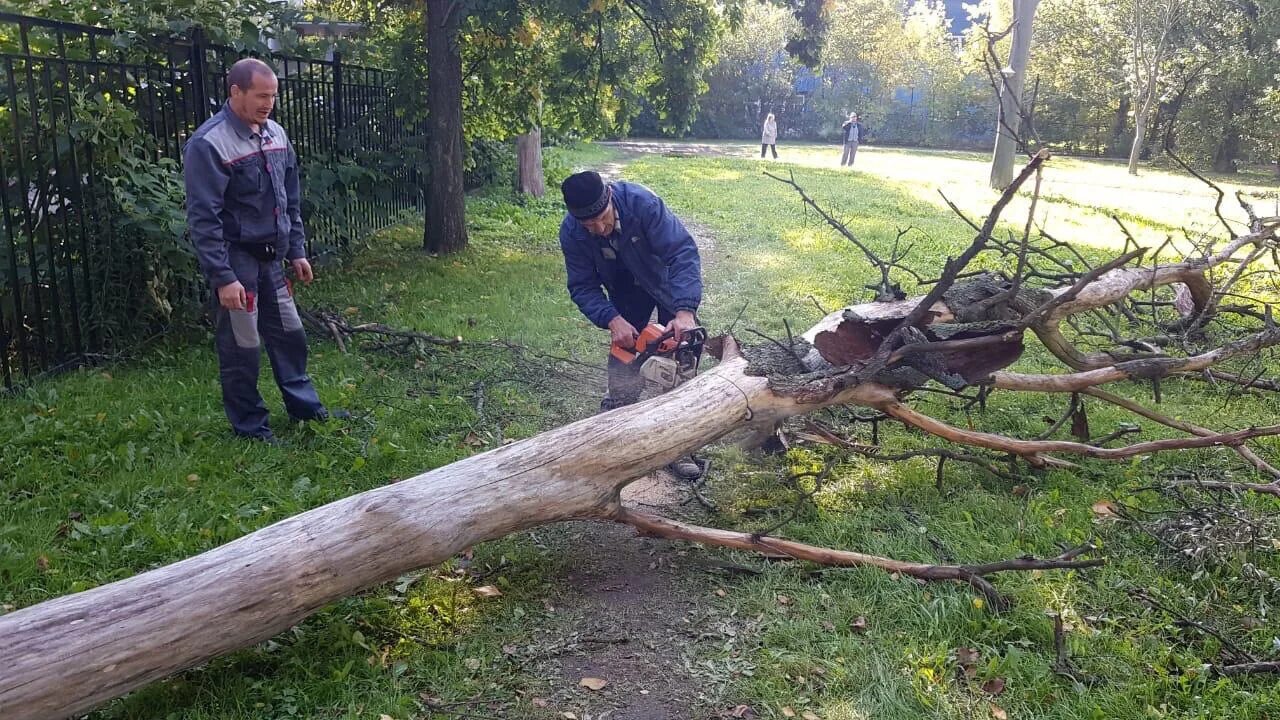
<point>254,103</point>
<point>603,223</point>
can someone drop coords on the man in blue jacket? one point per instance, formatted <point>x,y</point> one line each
<point>244,214</point>
<point>626,256</point>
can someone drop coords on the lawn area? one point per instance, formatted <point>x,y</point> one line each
<point>1079,195</point>
<point>113,470</point>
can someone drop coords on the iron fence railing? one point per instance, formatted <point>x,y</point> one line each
<point>57,302</point>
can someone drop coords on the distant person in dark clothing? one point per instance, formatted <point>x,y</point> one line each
<point>854,132</point>
<point>769,136</point>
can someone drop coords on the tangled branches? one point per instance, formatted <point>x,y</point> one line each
<point>1140,316</point>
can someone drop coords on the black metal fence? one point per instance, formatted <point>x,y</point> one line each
<point>72,268</point>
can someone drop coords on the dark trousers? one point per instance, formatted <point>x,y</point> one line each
<point>625,383</point>
<point>272,320</point>
<point>772,147</point>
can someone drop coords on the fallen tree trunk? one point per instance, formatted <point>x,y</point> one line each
<point>67,655</point>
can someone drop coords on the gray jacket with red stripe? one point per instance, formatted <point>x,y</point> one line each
<point>242,188</point>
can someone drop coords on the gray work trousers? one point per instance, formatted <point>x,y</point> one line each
<point>270,319</point>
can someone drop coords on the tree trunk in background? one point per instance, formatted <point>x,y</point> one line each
<point>529,178</point>
<point>1148,59</point>
<point>1009,119</point>
<point>1118,127</point>
<point>1224,159</point>
<point>445,229</point>
<point>1140,131</point>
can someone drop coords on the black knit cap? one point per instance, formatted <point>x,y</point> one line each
<point>585,194</point>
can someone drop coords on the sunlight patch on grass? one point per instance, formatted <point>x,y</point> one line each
<point>809,239</point>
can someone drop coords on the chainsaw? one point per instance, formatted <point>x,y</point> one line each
<point>663,362</point>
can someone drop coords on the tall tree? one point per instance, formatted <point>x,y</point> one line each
<point>1013,80</point>
<point>1152,27</point>
<point>753,75</point>
<point>1236,43</point>
<point>679,35</point>
<point>445,229</point>
<point>1079,60</point>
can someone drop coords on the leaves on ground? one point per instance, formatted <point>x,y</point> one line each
<point>593,683</point>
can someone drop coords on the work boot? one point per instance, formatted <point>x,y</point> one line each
<point>325,415</point>
<point>686,468</point>
<point>267,438</point>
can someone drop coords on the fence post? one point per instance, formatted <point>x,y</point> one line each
<point>199,74</point>
<point>337,94</point>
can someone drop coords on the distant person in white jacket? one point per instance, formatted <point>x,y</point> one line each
<point>769,136</point>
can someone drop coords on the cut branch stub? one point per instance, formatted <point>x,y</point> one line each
<point>854,334</point>
<point>939,347</point>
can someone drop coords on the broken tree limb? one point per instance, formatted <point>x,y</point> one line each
<point>1035,450</point>
<point>337,327</point>
<point>1136,369</point>
<point>1250,456</point>
<point>1272,488</point>
<point>974,575</point>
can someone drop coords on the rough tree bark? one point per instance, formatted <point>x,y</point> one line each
<point>445,228</point>
<point>529,178</point>
<point>1009,115</point>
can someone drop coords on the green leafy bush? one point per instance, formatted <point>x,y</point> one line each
<point>490,162</point>
<point>147,273</point>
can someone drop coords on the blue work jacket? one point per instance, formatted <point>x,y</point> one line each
<point>242,187</point>
<point>649,241</point>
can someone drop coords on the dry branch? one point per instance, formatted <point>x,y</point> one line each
<point>973,575</point>
<point>1035,450</point>
<point>336,326</point>
<point>1133,407</point>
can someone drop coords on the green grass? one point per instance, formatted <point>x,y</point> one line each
<point>111,471</point>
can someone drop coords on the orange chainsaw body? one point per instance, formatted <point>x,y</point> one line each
<point>653,340</point>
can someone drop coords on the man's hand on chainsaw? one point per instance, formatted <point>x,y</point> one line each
<point>623,333</point>
<point>682,323</point>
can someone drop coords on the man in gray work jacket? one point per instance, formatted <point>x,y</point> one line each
<point>244,215</point>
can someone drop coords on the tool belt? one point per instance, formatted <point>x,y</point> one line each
<point>259,251</point>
